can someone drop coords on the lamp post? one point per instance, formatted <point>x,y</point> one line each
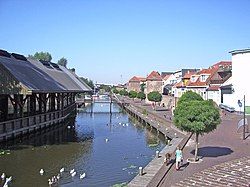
<point>244,115</point>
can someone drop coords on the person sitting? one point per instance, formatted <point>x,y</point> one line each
<point>167,158</point>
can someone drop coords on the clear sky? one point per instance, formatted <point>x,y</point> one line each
<point>109,41</point>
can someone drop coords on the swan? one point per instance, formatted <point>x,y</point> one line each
<point>106,139</point>
<point>41,171</point>
<point>73,174</point>
<point>7,181</point>
<point>3,176</point>
<point>72,171</point>
<point>61,170</point>
<point>50,182</point>
<point>82,175</point>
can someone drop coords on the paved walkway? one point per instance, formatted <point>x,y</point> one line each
<point>218,147</point>
<point>235,173</point>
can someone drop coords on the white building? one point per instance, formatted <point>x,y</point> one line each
<point>240,79</point>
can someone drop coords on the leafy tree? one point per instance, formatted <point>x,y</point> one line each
<point>63,62</point>
<point>189,96</point>
<point>132,94</point>
<point>142,87</point>
<point>198,117</point>
<point>123,92</point>
<point>141,96</point>
<point>155,96</point>
<point>115,90</point>
<point>41,56</point>
<point>88,82</point>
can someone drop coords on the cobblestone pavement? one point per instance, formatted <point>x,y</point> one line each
<point>233,173</point>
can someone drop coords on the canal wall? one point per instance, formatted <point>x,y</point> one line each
<point>18,127</point>
<point>155,171</point>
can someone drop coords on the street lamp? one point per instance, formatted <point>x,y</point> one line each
<point>244,115</point>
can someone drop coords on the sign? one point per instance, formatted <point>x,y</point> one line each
<point>239,103</point>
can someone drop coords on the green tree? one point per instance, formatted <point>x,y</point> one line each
<point>189,96</point>
<point>132,94</point>
<point>198,117</point>
<point>142,87</point>
<point>88,82</point>
<point>114,90</point>
<point>155,97</point>
<point>41,56</point>
<point>63,62</point>
<point>123,92</point>
<point>141,96</point>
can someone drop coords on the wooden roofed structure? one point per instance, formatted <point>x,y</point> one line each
<point>34,93</point>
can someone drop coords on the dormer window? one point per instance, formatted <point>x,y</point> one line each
<point>193,79</point>
<point>203,78</point>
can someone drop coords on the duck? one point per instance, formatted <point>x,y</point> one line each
<point>62,170</point>
<point>82,175</point>
<point>41,171</point>
<point>73,174</point>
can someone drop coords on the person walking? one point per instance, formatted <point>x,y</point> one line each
<point>178,158</point>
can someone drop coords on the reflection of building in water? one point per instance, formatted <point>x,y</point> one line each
<point>151,137</point>
<point>34,94</point>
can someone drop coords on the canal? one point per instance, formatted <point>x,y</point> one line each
<point>109,148</point>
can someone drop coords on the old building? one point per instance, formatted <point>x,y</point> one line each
<point>153,83</point>
<point>136,83</point>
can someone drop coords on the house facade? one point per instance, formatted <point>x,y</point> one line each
<point>135,83</point>
<point>153,83</point>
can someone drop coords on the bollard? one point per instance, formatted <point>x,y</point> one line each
<point>140,171</point>
<point>168,142</point>
<point>157,154</point>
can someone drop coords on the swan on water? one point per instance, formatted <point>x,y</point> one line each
<point>106,139</point>
<point>72,171</point>
<point>41,171</point>
<point>82,175</point>
<point>61,170</point>
<point>3,176</point>
<point>7,181</point>
<point>73,174</point>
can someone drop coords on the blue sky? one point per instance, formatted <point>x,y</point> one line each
<point>109,41</point>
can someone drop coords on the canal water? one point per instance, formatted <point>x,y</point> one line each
<point>108,148</point>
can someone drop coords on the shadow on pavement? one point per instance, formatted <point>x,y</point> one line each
<point>210,151</point>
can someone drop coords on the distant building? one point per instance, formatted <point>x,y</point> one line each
<point>153,83</point>
<point>135,83</point>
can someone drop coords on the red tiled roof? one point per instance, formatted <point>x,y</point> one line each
<point>155,76</point>
<point>222,63</point>
<point>166,77</point>
<point>189,74</point>
<point>179,84</point>
<point>213,88</point>
<point>137,79</point>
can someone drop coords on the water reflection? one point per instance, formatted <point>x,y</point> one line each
<point>81,144</point>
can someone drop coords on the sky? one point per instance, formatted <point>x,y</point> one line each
<point>109,41</point>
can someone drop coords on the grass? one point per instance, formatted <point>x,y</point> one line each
<point>247,109</point>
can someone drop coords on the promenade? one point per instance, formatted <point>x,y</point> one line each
<point>225,156</point>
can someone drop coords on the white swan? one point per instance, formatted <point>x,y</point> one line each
<point>3,176</point>
<point>82,175</point>
<point>73,174</point>
<point>41,171</point>
<point>62,170</point>
<point>72,171</point>
<point>7,181</point>
<point>106,139</point>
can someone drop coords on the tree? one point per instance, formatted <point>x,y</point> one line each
<point>123,92</point>
<point>155,97</point>
<point>115,90</point>
<point>41,56</point>
<point>132,94</point>
<point>141,96</point>
<point>142,87</point>
<point>88,82</point>
<point>198,117</point>
<point>63,62</point>
<point>189,96</point>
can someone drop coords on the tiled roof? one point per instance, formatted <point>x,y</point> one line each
<point>155,76</point>
<point>222,63</point>
<point>213,88</point>
<point>189,74</point>
<point>137,79</point>
<point>178,84</point>
<point>166,77</point>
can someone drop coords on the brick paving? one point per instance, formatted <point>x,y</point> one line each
<point>233,173</point>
